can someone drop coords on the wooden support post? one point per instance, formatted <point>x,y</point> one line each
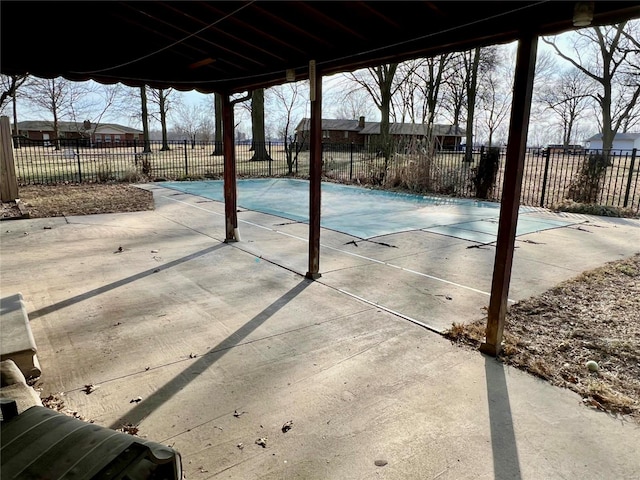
<point>512,183</point>
<point>230,193</point>
<point>8,180</point>
<point>315,170</point>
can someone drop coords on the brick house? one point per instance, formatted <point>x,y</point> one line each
<point>361,133</point>
<point>70,133</point>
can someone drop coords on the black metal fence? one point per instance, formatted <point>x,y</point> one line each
<point>549,177</point>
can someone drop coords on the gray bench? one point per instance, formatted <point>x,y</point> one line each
<point>16,341</point>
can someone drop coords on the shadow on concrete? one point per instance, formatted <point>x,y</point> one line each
<point>105,288</point>
<point>163,394</point>
<point>506,464</point>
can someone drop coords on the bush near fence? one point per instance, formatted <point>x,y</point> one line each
<point>550,177</point>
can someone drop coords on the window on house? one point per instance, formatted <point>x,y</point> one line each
<point>107,138</point>
<point>116,138</point>
<point>346,134</point>
<point>325,134</point>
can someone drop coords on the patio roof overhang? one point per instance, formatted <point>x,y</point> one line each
<point>230,47</point>
<point>233,46</point>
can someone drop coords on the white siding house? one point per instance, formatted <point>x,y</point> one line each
<point>622,141</point>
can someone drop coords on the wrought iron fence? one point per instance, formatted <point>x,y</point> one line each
<point>550,176</point>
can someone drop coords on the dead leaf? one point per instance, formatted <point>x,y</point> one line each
<point>262,441</point>
<point>129,429</point>
<point>90,388</point>
<point>287,426</point>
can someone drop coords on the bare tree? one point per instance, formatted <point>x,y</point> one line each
<point>290,100</point>
<point>471,62</point>
<point>258,142</point>
<point>160,99</point>
<point>454,92</point>
<point>352,105</point>
<point>567,95</point>
<point>380,83</point>
<point>609,56</point>
<point>408,98</point>
<point>59,98</point>
<point>192,122</point>
<point>495,99</point>
<point>217,149</point>
<point>145,119</point>
<point>10,87</point>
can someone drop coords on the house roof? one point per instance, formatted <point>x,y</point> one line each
<point>331,124</point>
<point>619,136</point>
<point>69,126</point>
<point>236,46</point>
<point>373,128</point>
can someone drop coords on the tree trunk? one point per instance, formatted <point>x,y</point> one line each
<point>471,101</point>
<point>16,131</point>
<point>260,153</point>
<point>163,119</point>
<point>385,75</point>
<point>145,120</point>
<point>217,149</point>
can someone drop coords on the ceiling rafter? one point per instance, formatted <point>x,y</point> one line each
<point>255,43</point>
<point>188,43</point>
<point>258,32</point>
<point>291,27</point>
<point>327,20</point>
<point>222,32</point>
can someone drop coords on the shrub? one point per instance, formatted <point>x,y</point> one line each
<point>593,209</point>
<point>486,172</point>
<point>588,184</point>
<point>104,173</point>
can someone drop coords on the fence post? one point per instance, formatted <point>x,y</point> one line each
<point>79,164</point>
<point>631,168</point>
<point>269,160</point>
<point>296,146</point>
<point>547,155</point>
<point>186,159</point>
<point>8,179</point>
<point>351,162</point>
<point>135,145</point>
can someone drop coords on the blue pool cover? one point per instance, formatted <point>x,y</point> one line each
<point>367,213</point>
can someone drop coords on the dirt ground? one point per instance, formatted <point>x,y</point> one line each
<point>40,201</point>
<point>594,317</point>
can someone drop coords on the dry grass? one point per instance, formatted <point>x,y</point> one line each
<point>595,316</point>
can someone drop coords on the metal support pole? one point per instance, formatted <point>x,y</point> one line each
<point>512,184</point>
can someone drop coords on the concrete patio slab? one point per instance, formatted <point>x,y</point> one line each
<point>224,343</point>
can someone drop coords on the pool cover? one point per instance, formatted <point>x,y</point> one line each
<point>366,213</point>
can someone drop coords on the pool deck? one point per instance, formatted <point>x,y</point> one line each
<point>225,343</point>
